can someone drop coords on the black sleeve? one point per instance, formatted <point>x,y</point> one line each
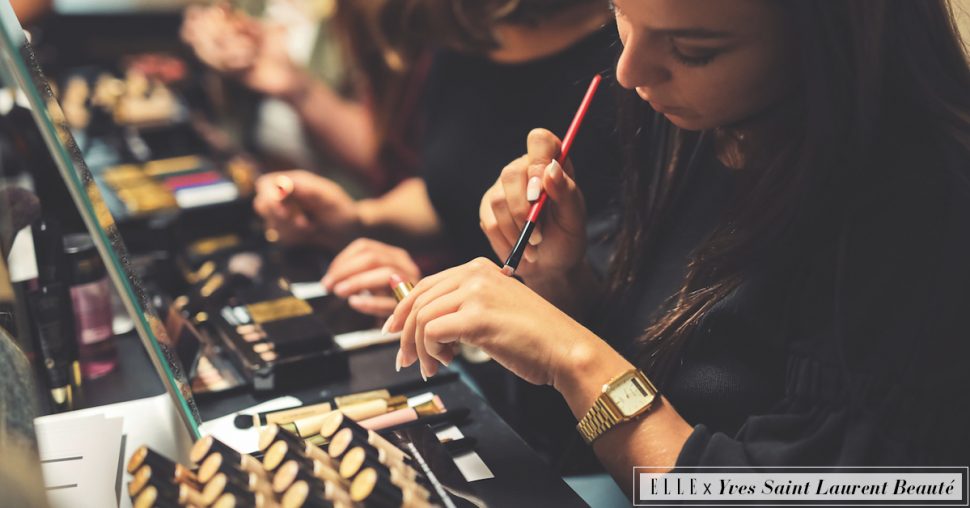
<point>891,387</point>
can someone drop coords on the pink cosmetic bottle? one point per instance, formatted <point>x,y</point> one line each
<point>91,299</point>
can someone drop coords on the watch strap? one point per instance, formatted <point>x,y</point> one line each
<point>597,420</point>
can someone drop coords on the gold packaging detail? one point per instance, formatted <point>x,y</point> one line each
<point>213,244</point>
<point>204,272</point>
<point>212,285</point>
<point>357,398</point>
<point>281,308</point>
<point>162,167</point>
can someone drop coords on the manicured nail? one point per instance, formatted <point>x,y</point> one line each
<point>387,325</point>
<point>533,188</point>
<point>397,363</point>
<point>535,238</point>
<point>423,376</point>
<point>553,169</point>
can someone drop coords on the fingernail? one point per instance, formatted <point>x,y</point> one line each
<point>553,169</point>
<point>397,362</point>
<point>535,238</point>
<point>527,255</point>
<point>339,288</point>
<point>353,300</point>
<point>533,188</point>
<point>423,377</point>
<point>387,325</point>
<point>326,281</point>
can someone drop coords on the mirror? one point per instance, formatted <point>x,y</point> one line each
<point>25,85</point>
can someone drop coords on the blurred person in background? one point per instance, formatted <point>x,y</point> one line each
<point>498,68</point>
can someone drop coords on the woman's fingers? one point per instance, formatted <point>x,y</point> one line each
<point>446,304</point>
<point>409,332</point>
<point>403,317</point>
<point>567,201</point>
<point>344,267</point>
<point>490,226</point>
<point>506,223</point>
<point>514,180</point>
<point>379,306</point>
<point>542,146</point>
<point>336,270</point>
<point>371,280</point>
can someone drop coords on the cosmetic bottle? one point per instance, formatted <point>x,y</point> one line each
<point>53,329</point>
<point>53,320</point>
<point>91,300</point>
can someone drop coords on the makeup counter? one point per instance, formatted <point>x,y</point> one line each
<point>148,275</point>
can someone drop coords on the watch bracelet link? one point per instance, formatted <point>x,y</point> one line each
<point>598,420</point>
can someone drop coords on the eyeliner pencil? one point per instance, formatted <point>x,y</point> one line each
<point>567,142</point>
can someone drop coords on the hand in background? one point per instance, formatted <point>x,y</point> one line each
<point>317,212</point>
<point>247,49</point>
<point>361,273</point>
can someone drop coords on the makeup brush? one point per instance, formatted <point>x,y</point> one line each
<point>567,142</point>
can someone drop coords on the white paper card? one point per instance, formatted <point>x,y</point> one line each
<point>471,465</point>
<point>244,440</point>
<point>308,290</point>
<point>81,460</point>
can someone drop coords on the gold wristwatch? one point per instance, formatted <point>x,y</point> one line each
<point>624,398</point>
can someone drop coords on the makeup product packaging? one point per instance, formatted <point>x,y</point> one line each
<point>280,343</point>
<point>54,333</point>
<point>91,300</point>
<point>53,320</point>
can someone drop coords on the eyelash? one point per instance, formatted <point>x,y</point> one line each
<point>691,61</point>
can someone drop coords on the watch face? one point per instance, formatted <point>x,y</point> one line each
<point>630,397</point>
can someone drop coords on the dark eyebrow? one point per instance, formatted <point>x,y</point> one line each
<point>690,33</point>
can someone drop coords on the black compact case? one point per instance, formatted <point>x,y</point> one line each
<point>272,339</point>
<point>303,347</point>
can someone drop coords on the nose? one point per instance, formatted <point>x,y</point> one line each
<point>639,67</point>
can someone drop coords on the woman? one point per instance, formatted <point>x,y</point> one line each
<point>501,66</point>
<point>793,254</point>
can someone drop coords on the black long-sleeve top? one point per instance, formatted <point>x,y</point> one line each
<point>478,114</point>
<point>855,355</point>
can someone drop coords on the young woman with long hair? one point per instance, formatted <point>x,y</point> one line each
<point>792,268</point>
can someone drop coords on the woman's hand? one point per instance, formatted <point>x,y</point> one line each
<point>317,211</point>
<point>221,38</point>
<point>250,50</point>
<point>558,243</point>
<point>361,272</point>
<point>476,304</point>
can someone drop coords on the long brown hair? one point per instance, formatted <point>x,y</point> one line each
<point>871,71</point>
<point>390,41</point>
